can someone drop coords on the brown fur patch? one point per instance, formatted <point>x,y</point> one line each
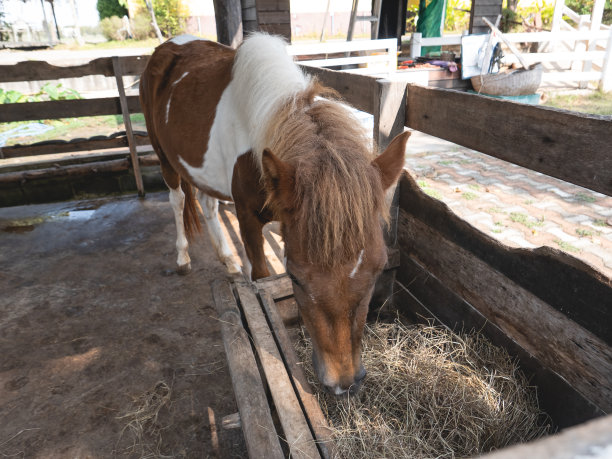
<point>338,193</point>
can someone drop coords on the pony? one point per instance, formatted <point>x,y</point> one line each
<point>249,126</point>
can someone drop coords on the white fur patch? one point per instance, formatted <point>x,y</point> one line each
<point>356,268</point>
<point>264,76</point>
<point>185,38</point>
<point>170,96</point>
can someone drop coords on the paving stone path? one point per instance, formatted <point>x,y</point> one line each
<point>517,206</point>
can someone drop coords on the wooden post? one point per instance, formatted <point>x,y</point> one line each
<point>415,44</point>
<point>605,84</point>
<point>389,121</point>
<point>228,17</point>
<point>154,21</point>
<point>257,425</point>
<point>128,125</point>
<point>249,16</point>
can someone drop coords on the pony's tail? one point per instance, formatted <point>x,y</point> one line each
<point>191,220</point>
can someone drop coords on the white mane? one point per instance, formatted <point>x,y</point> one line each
<point>264,77</point>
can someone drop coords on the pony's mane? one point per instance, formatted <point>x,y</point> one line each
<point>338,194</point>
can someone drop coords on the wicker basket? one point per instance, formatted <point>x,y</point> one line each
<point>515,83</point>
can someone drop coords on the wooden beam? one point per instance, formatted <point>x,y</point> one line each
<point>296,430</point>
<point>256,419</point>
<point>228,17</point>
<point>309,399</point>
<point>54,109</point>
<point>357,90</point>
<point>66,146</point>
<point>40,70</point>
<point>570,146</point>
<point>118,70</point>
<point>468,267</point>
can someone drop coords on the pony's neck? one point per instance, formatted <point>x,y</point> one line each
<point>264,77</point>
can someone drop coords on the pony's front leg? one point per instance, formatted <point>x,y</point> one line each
<point>251,226</point>
<point>210,209</point>
<point>177,201</point>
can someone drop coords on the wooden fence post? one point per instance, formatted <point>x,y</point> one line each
<point>128,125</point>
<point>415,44</point>
<point>389,120</point>
<point>605,84</point>
<point>228,17</point>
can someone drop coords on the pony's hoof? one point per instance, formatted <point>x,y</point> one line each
<point>184,269</point>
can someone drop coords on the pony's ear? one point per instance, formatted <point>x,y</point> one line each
<point>391,161</point>
<point>279,180</point>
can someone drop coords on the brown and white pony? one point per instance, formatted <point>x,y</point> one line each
<point>250,127</point>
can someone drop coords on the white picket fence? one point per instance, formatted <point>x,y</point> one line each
<point>575,56</point>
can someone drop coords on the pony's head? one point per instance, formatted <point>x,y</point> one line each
<point>330,200</point>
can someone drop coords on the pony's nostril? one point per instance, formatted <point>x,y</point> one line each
<point>359,377</point>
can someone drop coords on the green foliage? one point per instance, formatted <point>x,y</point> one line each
<point>586,6</point>
<point>141,26</point>
<point>49,91</point>
<point>111,28</point>
<point>171,16</point>
<point>457,16</point>
<point>109,8</point>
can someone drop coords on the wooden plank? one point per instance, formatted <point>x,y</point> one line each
<point>40,70</point>
<point>54,109</point>
<point>576,289</point>
<point>357,90</point>
<point>572,351</point>
<point>278,286</point>
<point>65,146</point>
<point>65,171</point>
<point>310,402</point>
<point>284,30</point>
<point>420,297</point>
<point>118,69</point>
<point>543,139</point>
<point>590,440</point>
<point>228,18</point>
<point>256,420</point>
<point>487,10</point>
<point>295,428</point>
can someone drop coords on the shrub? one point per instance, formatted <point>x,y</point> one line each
<point>111,28</point>
<point>171,16</point>
<point>141,26</point>
<point>110,8</point>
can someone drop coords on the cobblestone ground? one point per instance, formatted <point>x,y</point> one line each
<point>517,206</point>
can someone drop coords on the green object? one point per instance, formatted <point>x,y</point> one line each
<point>430,22</point>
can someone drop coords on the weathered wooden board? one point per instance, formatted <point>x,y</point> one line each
<point>567,145</point>
<point>420,296</point>
<point>357,90</point>
<point>309,400</point>
<point>54,109</point>
<point>40,70</point>
<point>278,286</point>
<point>590,440</point>
<point>256,420</point>
<point>63,146</point>
<point>546,332</point>
<point>295,427</point>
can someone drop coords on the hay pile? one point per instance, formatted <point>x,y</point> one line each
<point>430,393</point>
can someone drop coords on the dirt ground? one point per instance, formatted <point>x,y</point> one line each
<point>104,351</point>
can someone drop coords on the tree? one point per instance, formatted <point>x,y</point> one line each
<point>109,8</point>
<point>171,16</point>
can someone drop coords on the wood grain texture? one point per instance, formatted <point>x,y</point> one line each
<point>62,146</point>
<point>567,145</point>
<point>278,286</point>
<point>421,297</point>
<point>54,109</point>
<point>65,171</point>
<point>295,427</point>
<point>360,91</point>
<point>574,288</point>
<point>592,440</point>
<point>572,351</point>
<point>309,400</point>
<point>256,420</point>
<point>40,70</point>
